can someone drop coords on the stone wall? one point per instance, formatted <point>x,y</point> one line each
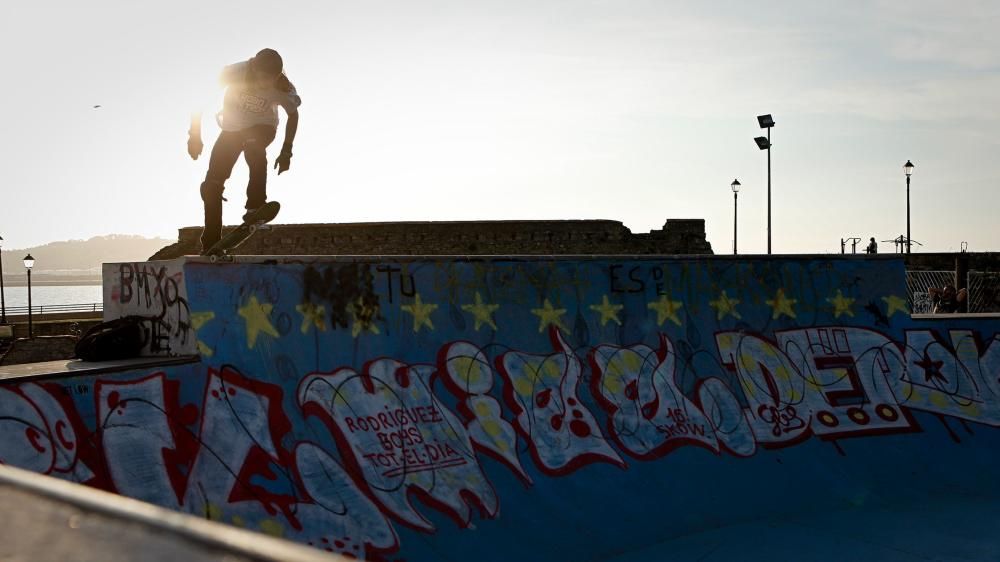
<point>678,236</point>
<point>39,349</point>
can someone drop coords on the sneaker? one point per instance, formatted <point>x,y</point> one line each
<point>251,213</point>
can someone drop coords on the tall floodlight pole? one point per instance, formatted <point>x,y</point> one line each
<point>764,143</point>
<point>3,302</point>
<point>908,170</point>
<point>736,190</point>
<point>29,262</point>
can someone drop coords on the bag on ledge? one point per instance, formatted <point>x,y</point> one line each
<point>121,338</point>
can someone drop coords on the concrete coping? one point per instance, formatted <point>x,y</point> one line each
<point>76,367</point>
<point>954,315</point>
<point>311,258</point>
<point>238,543</point>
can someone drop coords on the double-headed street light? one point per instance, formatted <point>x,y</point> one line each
<point>736,190</point>
<point>764,143</point>
<point>908,170</point>
<point>29,262</point>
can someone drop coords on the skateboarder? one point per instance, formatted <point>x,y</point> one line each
<point>249,121</point>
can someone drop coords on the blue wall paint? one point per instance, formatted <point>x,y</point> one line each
<point>425,409</point>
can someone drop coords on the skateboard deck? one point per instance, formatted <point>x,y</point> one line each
<point>236,237</point>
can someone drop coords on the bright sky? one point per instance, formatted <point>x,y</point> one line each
<point>636,111</point>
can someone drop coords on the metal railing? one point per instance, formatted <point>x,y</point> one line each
<point>984,291</point>
<point>55,308</point>
<point>918,285</point>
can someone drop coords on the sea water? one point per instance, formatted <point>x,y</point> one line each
<point>47,295</point>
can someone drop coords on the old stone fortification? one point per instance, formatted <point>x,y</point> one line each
<point>678,236</point>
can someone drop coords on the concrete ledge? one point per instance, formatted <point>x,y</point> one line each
<point>74,367</point>
<point>51,519</point>
<point>954,315</point>
<point>312,258</point>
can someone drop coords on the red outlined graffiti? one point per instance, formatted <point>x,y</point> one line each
<point>648,415</point>
<point>466,371</point>
<point>230,450</point>
<point>541,390</point>
<point>401,439</point>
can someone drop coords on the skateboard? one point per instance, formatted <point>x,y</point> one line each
<point>226,245</point>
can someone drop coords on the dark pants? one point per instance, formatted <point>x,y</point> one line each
<point>252,142</point>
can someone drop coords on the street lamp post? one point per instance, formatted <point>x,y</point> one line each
<point>3,302</point>
<point>764,143</point>
<point>29,262</point>
<point>908,170</point>
<point>736,190</point>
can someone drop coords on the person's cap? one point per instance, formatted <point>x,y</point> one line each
<point>269,61</point>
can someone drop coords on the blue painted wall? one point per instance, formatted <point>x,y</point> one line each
<point>543,409</point>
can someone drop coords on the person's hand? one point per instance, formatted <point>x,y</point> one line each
<point>195,146</point>
<point>284,160</point>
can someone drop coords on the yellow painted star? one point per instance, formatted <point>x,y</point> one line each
<point>360,324</point>
<point>204,349</point>
<point>257,319</point>
<point>481,312</point>
<point>841,305</point>
<point>548,315</point>
<point>666,309</point>
<point>894,304</point>
<point>199,319</point>
<point>607,311</point>
<point>725,306</point>
<point>781,305</point>
<point>312,315</point>
<point>421,312</point>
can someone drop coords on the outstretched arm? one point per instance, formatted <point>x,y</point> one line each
<point>195,145</point>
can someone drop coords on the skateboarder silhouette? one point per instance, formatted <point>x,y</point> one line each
<point>249,121</point>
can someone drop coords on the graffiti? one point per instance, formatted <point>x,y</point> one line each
<point>232,454</point>
<point>636,279</point>
<point>491,398</point>
<point>467,372</point>
<point>348,291</point>
<point>401,437</point>
<point>157,294</point>
<point>541,390</point>
<point>38,435</point>
<point>221,460</point>
<point>648,413</point>
<point>395,279</point>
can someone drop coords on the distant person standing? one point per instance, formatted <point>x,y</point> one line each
<point>249,122</point>
<point>872,247</point>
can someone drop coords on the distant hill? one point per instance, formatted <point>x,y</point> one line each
<point>78,259</point>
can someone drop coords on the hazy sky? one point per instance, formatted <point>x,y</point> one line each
<point>636,111</point>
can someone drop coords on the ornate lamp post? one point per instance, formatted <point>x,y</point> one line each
<point>908,170</point>
<point>736,190</point>
<point>29,262</point>
<point>764,143</point>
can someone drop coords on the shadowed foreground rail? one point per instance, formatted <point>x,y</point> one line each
<point>50,519</point>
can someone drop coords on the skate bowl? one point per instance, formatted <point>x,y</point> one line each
<point>531,408</point>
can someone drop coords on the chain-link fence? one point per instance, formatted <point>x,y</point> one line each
<point>917,285</point>
<point>984,291</point>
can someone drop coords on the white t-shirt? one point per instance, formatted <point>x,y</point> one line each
<point>245,105</point>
